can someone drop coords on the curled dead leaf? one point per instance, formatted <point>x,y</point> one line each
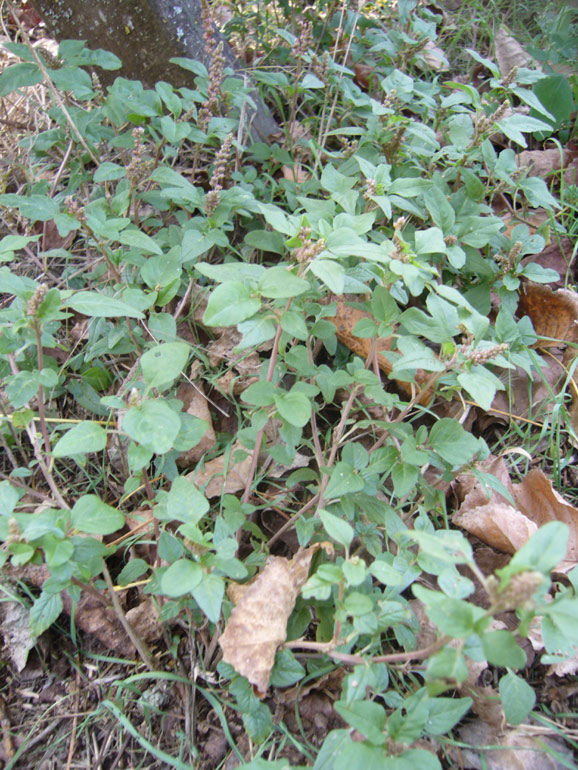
<point>258,624</point>
<point>505,527</point>
<point>498,524</point>
<point>510,54</point>
<point>553,314</point>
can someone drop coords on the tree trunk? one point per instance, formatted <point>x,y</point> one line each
<point>145,34</point>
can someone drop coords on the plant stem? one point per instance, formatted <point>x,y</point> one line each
<point>261,433</point>
<point>135,639</point>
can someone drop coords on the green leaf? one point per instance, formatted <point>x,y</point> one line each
<point>294,325</point>
<point>182,577</point>
<point>56,552</point>
<point>452,616</point>
<point>265,240</point>
<point>343,481</point>
<point>209,595</point>
<point>294,407</point>
<point>501,649</point>
<point>258,726</point>
<point>448,546</point>
<point>337,528</point>
<point>330,273</point>
<point>538,274</point>
<point>37,208</point>
<point>140,241</point>
<point>169,97</point>
<point>255,331</point>
<point>414,355</point>
<point>20,75</point>
<point>132,571</point>
<point>555,94</point>
<point>543,551</point>
<point>230,303</point>
<point>518,698</point>
<point>164,363</point>
<point>363,756</point>
<point>185,503</point>
<point>445,713</point>
<point>311,80</point>
<point>287,670</point>
<point>44,612</point>
<point>452,443</point>
<point>537,192</point>
<point>260,394</point>
<point>21,387</point>
<point>516,125</point>
<point>153,424</point>
<point>9,497</point>
<point>333,746</point>
<point>440,209</point>
<point>481,388</point>
<point>280,283</point>
<point>447,665</point>
<point>404,477</point>
<point>81,439</point>
<point>366,716</point>
<point>430,241</point>
<point>108,171</point>
<point>96,305</point>
<point>321,582</point>
<point>93,516</point>
<point>11,243</point>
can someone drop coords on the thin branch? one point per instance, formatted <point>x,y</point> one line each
<point>135,639</point>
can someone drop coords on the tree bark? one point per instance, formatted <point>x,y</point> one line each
<point>145,34</point>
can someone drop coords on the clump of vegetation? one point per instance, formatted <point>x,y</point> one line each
<point>216,351</point>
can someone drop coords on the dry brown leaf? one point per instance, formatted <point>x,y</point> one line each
<point>553,313</point>
<point>434,57</point>
<point>541,503</point>
<point>521,750</point>
<point>506,528</point>
<point>500,525</point>
<point>16,632</point>
<point>510,54</point>
<point>525,397</point>
<point>226,475</point>
<point>223,474</point>
<point>258,624</point>
<point>195,403</point>
<point>544,163</point>
<point>144,618</point>
<point>364,74</point>
<point>345,320</point>
<point>295,173</point>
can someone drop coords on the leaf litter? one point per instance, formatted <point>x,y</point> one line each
<point>494,520</point>
<point>258,623</point>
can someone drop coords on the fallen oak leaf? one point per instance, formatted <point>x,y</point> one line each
<point>258,624</point>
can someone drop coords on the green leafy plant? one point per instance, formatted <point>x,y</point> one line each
<point>170,231</point>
